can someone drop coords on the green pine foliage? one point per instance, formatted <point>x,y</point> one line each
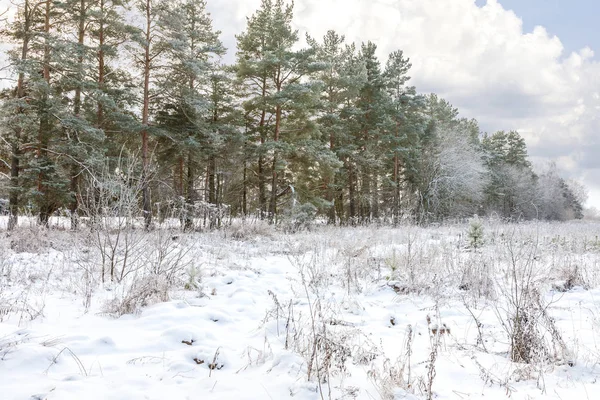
<point>284,134</point>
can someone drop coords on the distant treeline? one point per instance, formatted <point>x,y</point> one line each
<point>146,119</point>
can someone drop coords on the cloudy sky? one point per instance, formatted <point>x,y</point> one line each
<point>528,65</point>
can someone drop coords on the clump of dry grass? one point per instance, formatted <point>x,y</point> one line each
<point>149,290</point>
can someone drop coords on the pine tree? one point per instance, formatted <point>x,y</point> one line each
<point>112,90</point>
<point>273,75</point>
<point>147,53</point>
<point>187,89</point>
<point>372,104</point>
<point>16,114</point>
<point>341,83</point>
<point>82,137</point>
<point>253,72</point>
<point>225,140</point>
<point>404,125</point>
<point>39,111</point>
<point>511,190</point>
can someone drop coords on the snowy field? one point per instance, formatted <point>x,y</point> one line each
<point>251,312</point>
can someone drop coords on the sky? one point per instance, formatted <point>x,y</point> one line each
<point>528,65</point>
<point>573,21</point>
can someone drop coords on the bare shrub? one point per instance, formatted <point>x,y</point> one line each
<point>477,275</point>
<point>394,375</point>
<point>168,254</point>
<point>573,276</point>
<point>85,279</point>
<point>121,251</point>
<point>148,290</point>
<point>33,239</point>
<point>248,229</point>
<point>533,336</point>
<point>325,341</point>
<point>435,334</point>
<point>418,263</point>
<point>112,212</point>
<point>192,216</point>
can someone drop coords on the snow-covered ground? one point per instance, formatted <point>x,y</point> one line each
<point>251,312</point>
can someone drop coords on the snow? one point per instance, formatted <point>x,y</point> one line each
<point>247,331</point>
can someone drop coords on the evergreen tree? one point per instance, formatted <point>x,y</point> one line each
<point>187,86</point>
<point>342,79</point>
<point>403,127</point>
<point>276,93</point>
<point>147,52</point>
<point>323,129</point>
<point>38,111</point>
<point>83,139</point>
<point>372,104</point>
<point>17,115</point>
<point>511,190</point>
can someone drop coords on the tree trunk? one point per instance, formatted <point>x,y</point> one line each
<point>45,127</point>
<point>178,184</point>
<point>274,186</point>
<point>339,207</point>
<point>365,187</point>
<point>331,187</point>
<point>13,205</point>
<point>396,197</point>
<point>147,208</point>
<point>365,194</point>
<point>330,197</point>
<point>189,198</point>
<point>375,197</point>
<point>245,186</point>
<point>101,67</point>
<point>212,167</point>
<point>352,192</point>
<point>245,191</point>
<point>73,207</point>
<point>262,181</point>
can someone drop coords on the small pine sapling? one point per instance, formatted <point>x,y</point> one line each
<point>476,234</point>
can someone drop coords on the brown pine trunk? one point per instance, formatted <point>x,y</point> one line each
<point>73,207</point>
<point>189,198</point>
<point>339,207</point>
<point>352,192</point>
<point>147,209</point>
<point>101,68</point>
<point>212,189</point>
<point>262,180</point>
<point>245,188</point>
<point>179,190</point>
<point>331,187</point>
<point>179,178</point>
<point>397,186</point>
<point>13,199</point>
<point>365,187</point>
<point>45,127</point>
<point>396,205</point>
<point>212,161</point>
<point>375,197</point>
<point>365,194</point>
<point>330,197</point>
<point>274,187</point>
